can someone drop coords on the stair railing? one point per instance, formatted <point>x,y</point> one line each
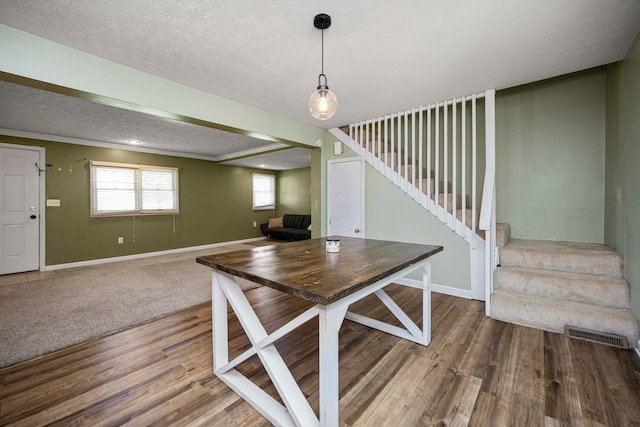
<point>431,153</point>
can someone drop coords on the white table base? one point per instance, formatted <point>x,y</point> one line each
<point>296,410</point>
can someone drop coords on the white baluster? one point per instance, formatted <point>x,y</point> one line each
<point>429,204</point>
<point>463,149</point>
<point>386,144</point>
<point>406,150</point>
<point>420,150</point>
<point>393,146</point>
<point>454,163</point>
<point>445,179</point>
<point>474,163</point>
<point>436,194</point>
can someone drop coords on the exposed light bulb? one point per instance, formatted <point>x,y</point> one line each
<point>323,103</point>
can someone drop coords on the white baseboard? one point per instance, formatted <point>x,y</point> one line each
<point>441,289</point>
<point>147,254</point>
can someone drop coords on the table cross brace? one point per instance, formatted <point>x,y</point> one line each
<point>296,410</point>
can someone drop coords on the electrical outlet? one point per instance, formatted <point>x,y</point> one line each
<point>120,240</point>
<point>254,224</point>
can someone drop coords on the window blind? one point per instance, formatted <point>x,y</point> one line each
<point>128,189</point>
<point>264,191</point>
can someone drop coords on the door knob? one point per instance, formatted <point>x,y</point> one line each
<point>33,217</point>
<point>357,230</point>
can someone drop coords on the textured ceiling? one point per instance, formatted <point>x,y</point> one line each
<point>39,111</point>
<point>30,112</point>
<point>380,56</point>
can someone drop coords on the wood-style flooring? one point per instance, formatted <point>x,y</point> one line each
<point>477,371</point>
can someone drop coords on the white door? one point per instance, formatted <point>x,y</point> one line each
<point>345,210</point>
<point>20,228</point>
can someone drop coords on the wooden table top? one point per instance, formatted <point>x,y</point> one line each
<point>304,269</point>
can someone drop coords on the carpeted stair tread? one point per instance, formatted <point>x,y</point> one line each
<point>553,315</point>
<point>586,288</point>
<point>586,258</point>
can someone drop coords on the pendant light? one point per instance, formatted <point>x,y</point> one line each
<point>322,103</point>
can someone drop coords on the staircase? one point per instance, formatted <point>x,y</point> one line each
<point>549,285</point>
<point>431,153</point>
<point>439,155</point>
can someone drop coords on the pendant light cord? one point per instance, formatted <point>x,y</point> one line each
<point>322,56</point>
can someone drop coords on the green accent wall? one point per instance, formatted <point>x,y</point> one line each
<point>622,186</point>
<point>215,205</point>
<point>294,192</point>
<point>550,167</point>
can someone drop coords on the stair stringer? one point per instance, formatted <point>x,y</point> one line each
<point>477,246</point>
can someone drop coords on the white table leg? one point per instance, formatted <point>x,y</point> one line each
<point>426,303</point>
<point>330,320</point>
<point>219,323</point>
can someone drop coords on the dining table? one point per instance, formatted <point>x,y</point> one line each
<point>332,273</point>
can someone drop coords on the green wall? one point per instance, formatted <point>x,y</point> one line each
<point>550,168</point>
<point>390,214</point>
<point>215,206</point>
<point>294,191</point>
<point>622,187</point>
<point>550,147</point>
<point>215,212</point>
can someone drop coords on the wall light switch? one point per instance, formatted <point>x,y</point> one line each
<point>53,202</point>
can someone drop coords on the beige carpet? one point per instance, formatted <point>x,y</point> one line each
<point>549,285</point>
<point>78,304</point>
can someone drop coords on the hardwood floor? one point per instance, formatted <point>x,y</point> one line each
<point>476,371</point>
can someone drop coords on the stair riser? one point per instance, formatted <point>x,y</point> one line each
<point>597,290</point>
<point>550,315</point>
<point>503,234</point>
<point>599,264</point>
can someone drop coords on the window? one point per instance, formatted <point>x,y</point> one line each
<point>125,189</point>
<point>264,191</point>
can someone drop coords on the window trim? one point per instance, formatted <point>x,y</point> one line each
<point>253,192</point>
<point>139,211</point>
